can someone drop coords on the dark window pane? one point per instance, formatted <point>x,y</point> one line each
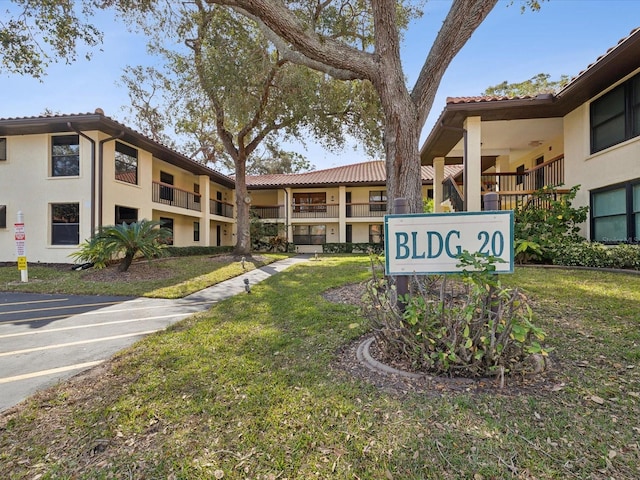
<point>168,224</point>
<point>3,216</point>
<point>126,215</point>
<point>3,149</point>
<point>65,224</point>
<point>65,156</point>
<point>126,160</point>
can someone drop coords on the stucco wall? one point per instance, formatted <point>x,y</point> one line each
<point>26,185</point>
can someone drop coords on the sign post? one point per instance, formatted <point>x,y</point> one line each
<point>21,250</point>
<point>430,243</point>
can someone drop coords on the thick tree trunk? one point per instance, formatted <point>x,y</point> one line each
<point>243,235</point>
<point>401,133</point>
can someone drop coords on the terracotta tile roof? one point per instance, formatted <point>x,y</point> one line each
<point>366,173</point>
<point>485,99</point>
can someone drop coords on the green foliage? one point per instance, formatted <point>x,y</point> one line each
<point>125,241</point>
<point>545,222</point>
<point>536,85</point>
<point>93,251</point>
<point>350,247</point>
<point>196,250</point>
<point>463,325</point>
<point>267,236</point>
<point>428,205</point>
<point>592,254</point>
<point>35,33</point>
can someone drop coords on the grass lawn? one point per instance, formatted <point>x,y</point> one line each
<point>250,389</point>
<point>172,277</point>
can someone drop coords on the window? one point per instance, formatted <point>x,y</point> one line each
<point>168,224</point>
<point>166,192</point>
<point>615,116</point>
<point>65,224</point>
<point>615,213</point>
<point>3,149</point>
<point>376,199</point>
<point>196,231</point>
<point>309,234</point>
<point>65,156</point>
<point>375,233</point>
<point>126,215</point>
<point>3,216</point>
<point>196,193</point>
<point>126,163</point>
<point>310,202</point>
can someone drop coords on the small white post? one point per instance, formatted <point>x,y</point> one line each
<point>21,250</point>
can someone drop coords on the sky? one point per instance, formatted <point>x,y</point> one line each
<point>563,38</point>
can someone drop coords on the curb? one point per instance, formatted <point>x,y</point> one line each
<point>363,355</point>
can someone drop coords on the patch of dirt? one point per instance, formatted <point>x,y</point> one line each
<point>347,361</point>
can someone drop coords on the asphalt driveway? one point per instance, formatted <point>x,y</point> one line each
<point>47,338</point>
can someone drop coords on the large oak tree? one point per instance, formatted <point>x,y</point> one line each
<point>231,90</point>
<point>304,31</point>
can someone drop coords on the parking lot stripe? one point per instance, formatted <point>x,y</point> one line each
<point>51,371</point>
<point>81,305</point>
<point>34,301</point>
<point>71,344</point>
<point>91,325</point>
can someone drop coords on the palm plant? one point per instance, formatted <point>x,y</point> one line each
<point>145,237</point>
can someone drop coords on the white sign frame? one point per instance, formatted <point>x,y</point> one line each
<point>413,240</point>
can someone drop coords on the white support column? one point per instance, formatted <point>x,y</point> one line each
<point>205,195</point>
<point>289,207</point>
<point>473,165</point>
<point>438,178</point>
<point>342,212</point>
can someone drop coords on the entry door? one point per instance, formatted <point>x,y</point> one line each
<point>218,235</point>
<point>349,233</point>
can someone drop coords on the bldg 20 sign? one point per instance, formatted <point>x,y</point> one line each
<point>431,243</point>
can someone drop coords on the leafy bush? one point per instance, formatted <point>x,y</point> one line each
<point>546,221</point>
<point>591,254</point>
<point>350,247</point>
<point>465,325</point>
<point>197,250</point>
<point>124,242</point>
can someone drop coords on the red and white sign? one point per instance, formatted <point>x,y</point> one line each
<point>20,237</point>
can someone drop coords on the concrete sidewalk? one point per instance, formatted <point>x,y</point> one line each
<point>46,350</point>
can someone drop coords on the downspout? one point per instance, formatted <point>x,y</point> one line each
<point>93,175</point>
<point>101,173</point>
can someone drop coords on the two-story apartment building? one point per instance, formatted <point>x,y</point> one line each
<point>336,205</point>
<point>587,134</point>
<point>71,174</point>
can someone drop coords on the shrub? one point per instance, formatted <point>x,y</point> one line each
<point>350,247</point>
<point>124,242</point>
<point>196,250</point>
<point>591,254</point>
<point>466,324</point>
<point>547,220</point>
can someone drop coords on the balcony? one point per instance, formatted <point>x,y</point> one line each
<point>515,189</point>
<point>315,210</point>
<point>216,207</point>
<point>175,197</point>
<point>268,212</point>
<point>371,209</point>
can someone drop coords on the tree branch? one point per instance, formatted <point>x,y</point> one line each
<point>306,42</point>
<point>462,20</point>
